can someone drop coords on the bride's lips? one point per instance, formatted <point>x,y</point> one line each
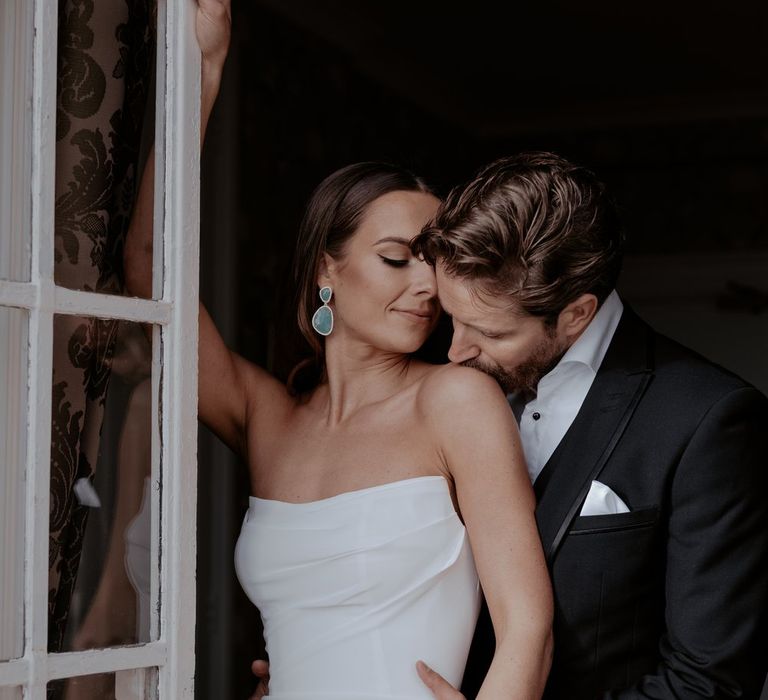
<point>417,314</point>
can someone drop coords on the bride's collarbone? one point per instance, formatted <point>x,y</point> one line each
<point>305,462</point>
<point>372,405</point>
<point>304,450</point>
<point>345,444</point>
<point>393,415</point>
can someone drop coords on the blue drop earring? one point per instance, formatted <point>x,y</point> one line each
<point>322,320</point>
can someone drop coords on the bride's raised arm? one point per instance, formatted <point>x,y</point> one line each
<point>480,446</point>
<point>226,380</point>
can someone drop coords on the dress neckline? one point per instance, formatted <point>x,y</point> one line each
<point>344,495</point>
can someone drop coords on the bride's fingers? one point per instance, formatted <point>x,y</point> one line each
<point>441,688</point>
<point>260,669</point>
<point>261,690</point>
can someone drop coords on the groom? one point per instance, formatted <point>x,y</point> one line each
<point>649,463</point>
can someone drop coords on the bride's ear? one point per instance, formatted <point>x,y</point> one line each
<point>326,271</point>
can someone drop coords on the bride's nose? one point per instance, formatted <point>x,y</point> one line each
<point>425,282</point>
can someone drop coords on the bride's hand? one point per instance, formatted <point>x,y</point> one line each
<point>441,688</point>
<point>214,29</point>
<point>260,669</point>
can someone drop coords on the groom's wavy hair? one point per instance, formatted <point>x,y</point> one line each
<point>334,213</point>
<point>533,228</point>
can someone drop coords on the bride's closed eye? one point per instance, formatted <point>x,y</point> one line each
<point>394,262</point>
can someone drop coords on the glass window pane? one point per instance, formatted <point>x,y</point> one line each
<point>15,142</point>
<point>13,421</point>
<point>134,684</point>
<point>101,490</point>
<point>104,132</point>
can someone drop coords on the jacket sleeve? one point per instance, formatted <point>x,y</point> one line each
<point>716,560</point>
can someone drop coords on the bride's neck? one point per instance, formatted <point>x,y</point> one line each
<point>359,375</point>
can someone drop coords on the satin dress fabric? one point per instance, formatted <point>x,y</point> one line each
<point>355,588</point>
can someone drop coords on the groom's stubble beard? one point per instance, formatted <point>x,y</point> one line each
<point>525,377</point>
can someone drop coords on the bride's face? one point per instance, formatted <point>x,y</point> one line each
<point>383,296</point>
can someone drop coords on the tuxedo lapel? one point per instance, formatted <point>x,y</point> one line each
<point>613,397</point>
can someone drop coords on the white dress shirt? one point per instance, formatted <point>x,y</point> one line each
<point>545,420</point>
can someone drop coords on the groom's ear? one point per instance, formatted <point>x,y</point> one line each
<point>577,315</point>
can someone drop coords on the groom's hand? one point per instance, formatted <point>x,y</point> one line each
<point>260,669</point>
<point>441,688</point>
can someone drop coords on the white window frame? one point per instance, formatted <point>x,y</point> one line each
<point>174,367</point>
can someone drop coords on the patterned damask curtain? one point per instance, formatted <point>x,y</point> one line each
<point>105,64</point>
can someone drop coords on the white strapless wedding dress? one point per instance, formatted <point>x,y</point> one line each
<point>355,588</point>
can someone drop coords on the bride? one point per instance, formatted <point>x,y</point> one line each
<point>383,486</point>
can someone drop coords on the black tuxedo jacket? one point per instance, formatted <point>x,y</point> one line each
<point>669,600</point>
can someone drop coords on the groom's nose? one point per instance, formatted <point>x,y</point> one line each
<point>462,348</point>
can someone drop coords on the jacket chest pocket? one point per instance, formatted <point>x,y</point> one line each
<point>623,546</point>
<point>593,524</point>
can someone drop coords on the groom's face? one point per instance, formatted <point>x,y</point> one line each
<point>493,335</point>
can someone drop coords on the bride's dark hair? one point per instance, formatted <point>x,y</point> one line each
<point>333,214</point>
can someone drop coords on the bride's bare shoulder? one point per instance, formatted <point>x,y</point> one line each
<point>464,409</point>
<point>454,385</point>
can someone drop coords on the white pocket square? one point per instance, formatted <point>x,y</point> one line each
<point>601,500</point>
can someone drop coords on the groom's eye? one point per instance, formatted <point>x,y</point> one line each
<point>492,336</point>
